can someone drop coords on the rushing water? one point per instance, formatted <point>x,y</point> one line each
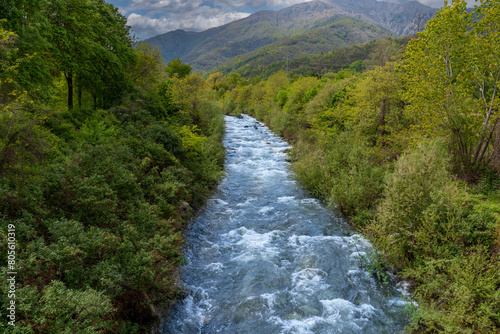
<point>264,257</point>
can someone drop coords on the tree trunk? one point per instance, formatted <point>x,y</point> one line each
<point>69,80</point>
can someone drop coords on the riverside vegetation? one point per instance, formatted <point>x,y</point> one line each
<point>98,188</point>
<point>406,142</point>
<point>409,150</point>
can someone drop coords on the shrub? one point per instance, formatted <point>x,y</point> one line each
<point>458,295</point>
<point>410,190</point>
<point>343,171</point>
<point>357,180</point>
<point>61,310</point>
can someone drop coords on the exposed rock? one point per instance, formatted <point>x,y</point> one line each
<point>185,210</point>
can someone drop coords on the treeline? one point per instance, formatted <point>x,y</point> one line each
<point>296,55</point>
<point>104,154</point>
<point>409,150</point>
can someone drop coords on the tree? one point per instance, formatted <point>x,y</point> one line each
<point>27,20</point>
<point>69,37</point>
<point>218,82</point>
<point>177,68</point>
<point>147,70</point>
<point>234,79</point>
<point>112,54</point>
<point>89,41</point>
<point>486,52</point>
<point>376,101</point>
<point>189,93</point>
<point>451,73</point>
<point>22,140</point>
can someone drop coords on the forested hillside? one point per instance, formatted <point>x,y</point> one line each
<point>104,154</point>
<point>409,151</point>
<point>341,33</point>
<point>303,29</point>
<point>357,57</point>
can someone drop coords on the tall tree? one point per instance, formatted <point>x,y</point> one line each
<point>177,68</point>
<point>148,69</point>
<point>26,18</point>
<point>90,41</point>
<point>70,37</point>
<point>113,53</point>
<point>451,73</point>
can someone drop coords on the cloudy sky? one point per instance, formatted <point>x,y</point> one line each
<point>153,17</point>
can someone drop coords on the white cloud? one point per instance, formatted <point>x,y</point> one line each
<point>202,23</point>
<point>258,3</point>
<point>145,26</point>
<point>172,6</point>
<point>201,18</point>
<point>433,3</point>
<point>179,6</point>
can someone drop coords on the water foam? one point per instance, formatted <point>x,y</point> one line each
<point>266,258</point>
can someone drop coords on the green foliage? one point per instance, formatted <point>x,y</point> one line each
<point>63,310</point>
<point>451,74</point>
<point>360,146</point>
<point>428,229</point>
<point>178,69</point>
<point>345,174</point>
<point>23,144</point>
<point>412,190</point>
<point>26,20</point>
<point>84,43</point>
<point>190,140</point>
<point>299,93</point>
<point>95,131</point>
<point>147,71</point>
<point>98,197</point>
<point>458,295</point>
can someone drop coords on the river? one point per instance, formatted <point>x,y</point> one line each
<point>264,257</point>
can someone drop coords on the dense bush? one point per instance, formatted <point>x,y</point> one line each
<point>414,193</point>
<point>342,170</point>
<point>429,229</point>
<point>98,223</point>
<point>357,146</point>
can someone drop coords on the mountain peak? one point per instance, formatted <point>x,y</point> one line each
<point>208,49</point>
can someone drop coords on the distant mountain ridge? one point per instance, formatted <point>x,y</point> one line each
<point>340,32</point>
<point>210,48</point>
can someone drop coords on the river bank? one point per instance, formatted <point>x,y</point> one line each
<point>266,257</point>
<point>436,231</point>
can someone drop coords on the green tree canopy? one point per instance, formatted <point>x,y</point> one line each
<point>452,72</point>
<point>177,68</point>
<point>90,41</point>
<point>86,41</point>
<point>148,69</point>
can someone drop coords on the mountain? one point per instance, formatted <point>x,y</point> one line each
<point>305,21</point>
<point>403,19</point>
<point>357,57</point>
<point>340,33</point>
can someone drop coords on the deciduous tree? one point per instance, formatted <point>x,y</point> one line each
<point>177,68</point>
<point>452,73</point>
